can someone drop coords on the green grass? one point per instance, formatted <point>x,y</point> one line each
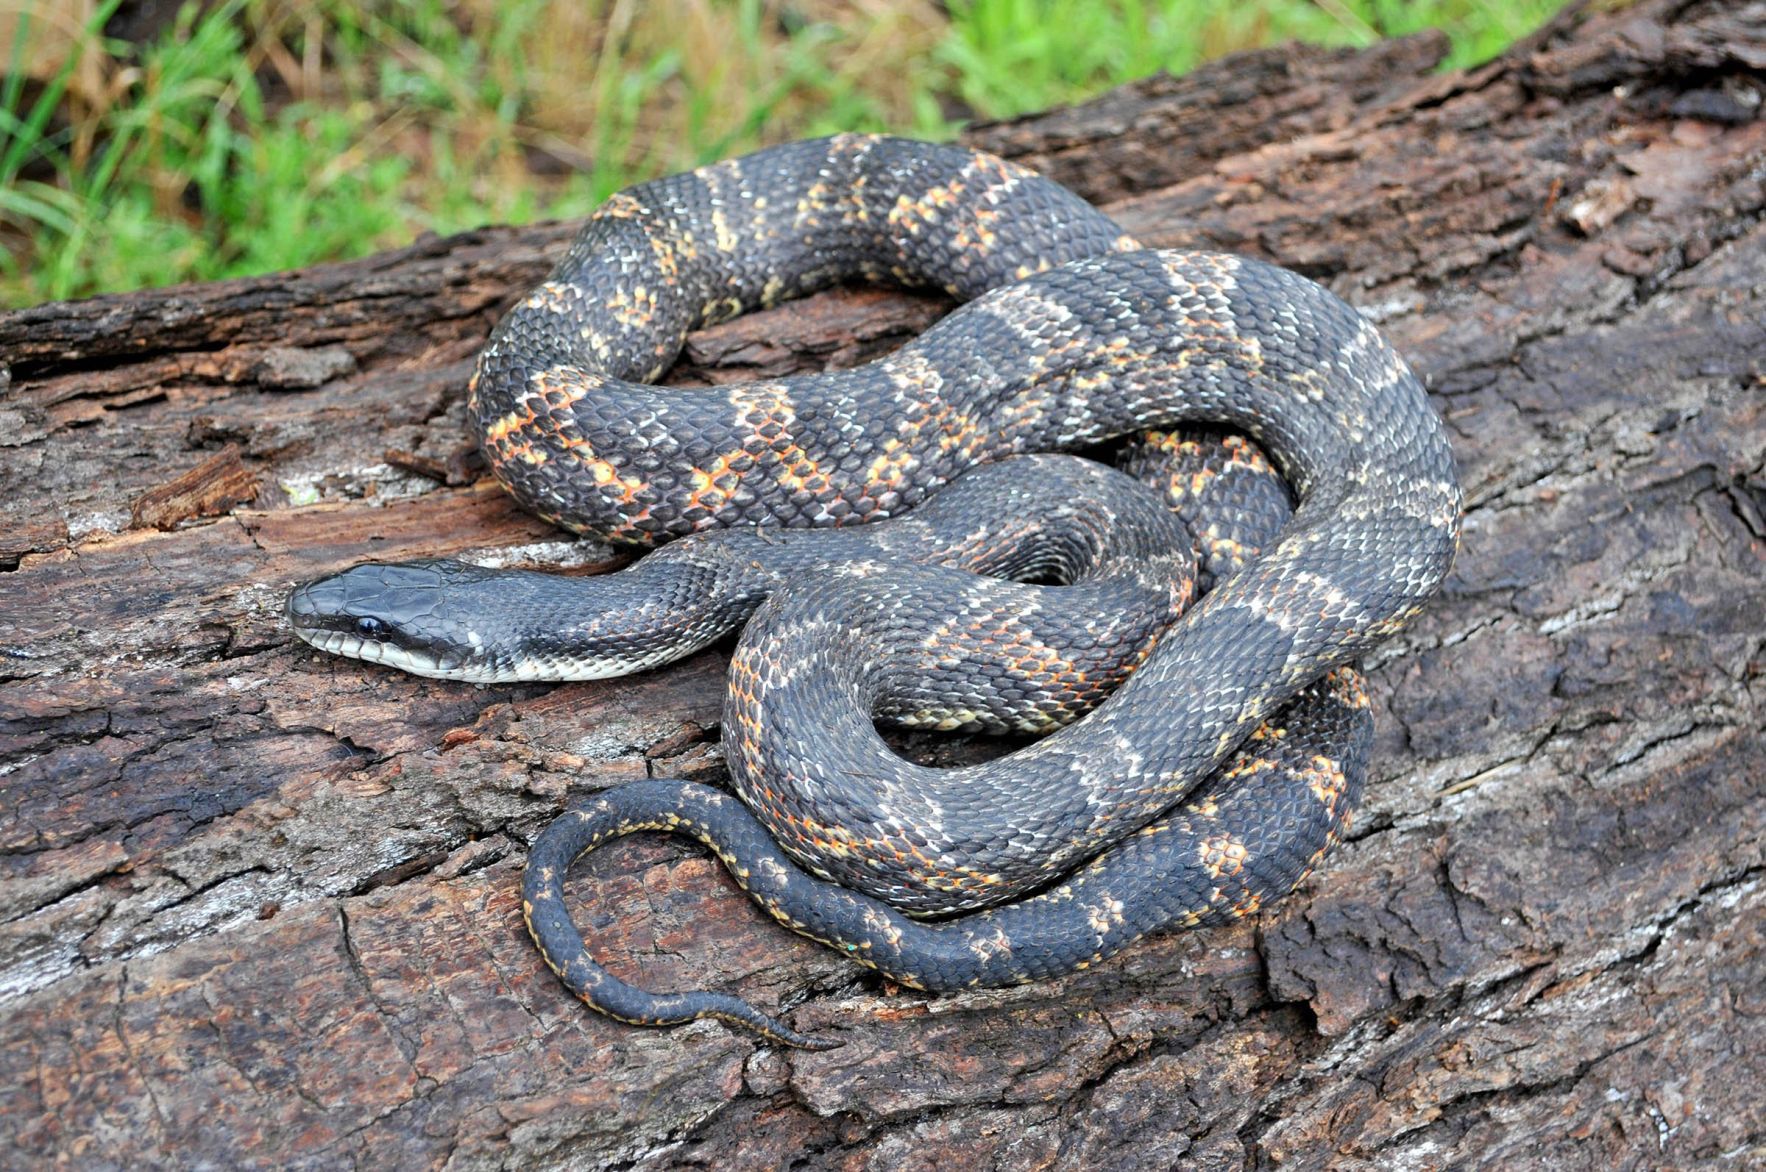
<point>1014,56</point>
<point>269,134</point>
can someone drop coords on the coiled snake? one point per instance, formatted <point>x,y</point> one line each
<point>1072,336</point>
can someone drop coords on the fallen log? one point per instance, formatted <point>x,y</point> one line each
<point>260,906</point>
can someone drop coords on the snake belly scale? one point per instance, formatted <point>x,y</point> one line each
<point>1072,336</point>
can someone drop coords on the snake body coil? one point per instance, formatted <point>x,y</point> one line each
<point>1033,517</point>
<point>1073,336</point>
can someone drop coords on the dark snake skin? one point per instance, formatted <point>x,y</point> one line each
<point>1252,832</point>
<point>1038,517</point>
<point>1249,836</point>
<point>1073,337</point>
<point>1048,358</point>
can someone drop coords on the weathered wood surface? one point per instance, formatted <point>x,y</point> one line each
<point>260,906</point>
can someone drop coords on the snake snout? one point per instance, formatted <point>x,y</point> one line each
<point>311,602</point>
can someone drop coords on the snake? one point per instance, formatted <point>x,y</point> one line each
<point>1071,335</point>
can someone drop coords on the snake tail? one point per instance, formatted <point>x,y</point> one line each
<point>678,806</point>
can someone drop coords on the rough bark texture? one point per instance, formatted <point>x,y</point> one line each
<point>260,906</point>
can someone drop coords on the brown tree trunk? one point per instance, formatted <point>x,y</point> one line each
<point>260,905</point>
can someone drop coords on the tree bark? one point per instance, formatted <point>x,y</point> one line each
<point>260,906</point>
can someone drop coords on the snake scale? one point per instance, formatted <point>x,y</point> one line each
<point>1210,779</point>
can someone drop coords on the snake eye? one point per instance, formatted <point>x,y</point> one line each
<point>370,627</point>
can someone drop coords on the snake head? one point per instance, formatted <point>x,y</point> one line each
<point>415,616</point>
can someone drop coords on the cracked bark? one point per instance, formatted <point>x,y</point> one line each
<point>258,903</point>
